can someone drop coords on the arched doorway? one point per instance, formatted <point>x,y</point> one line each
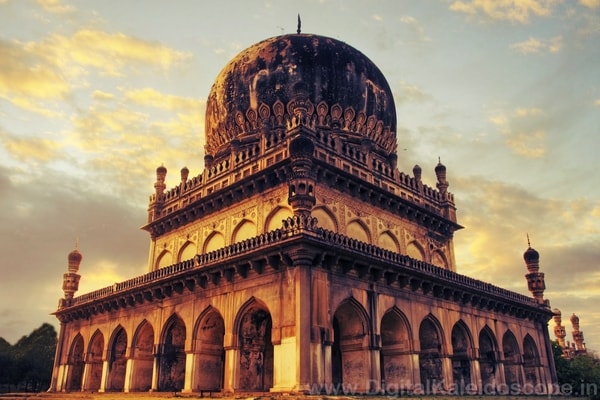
<point>94,361</point>
<point>76,365</point>
<point>350,348</point>
<point>142,353</point>
<point>461,362</point>
<point>488,360</point>
<point>512,360</point>
<point>256,350</point>
<point>396,365</point>
<point>117,361</point>
<point>210,355</point>
<point>172,356</point>
<point>531,361</point>
<point>430,361</point>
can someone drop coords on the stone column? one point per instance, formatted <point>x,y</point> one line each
<point>189,372</point>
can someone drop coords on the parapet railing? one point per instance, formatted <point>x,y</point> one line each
<point>295,226</point>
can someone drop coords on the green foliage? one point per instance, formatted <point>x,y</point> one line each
<point>580,373</point>
<point>28,364</point>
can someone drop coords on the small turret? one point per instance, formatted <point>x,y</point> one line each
<point>535,279</point>
<point>71,278</point>
<point>159,185</point>
<point>559,330</point>
<point>440,172</point>
<point>577,335</point>
<point>301,183</point>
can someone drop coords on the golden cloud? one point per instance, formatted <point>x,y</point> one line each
<point>55,6</point>
<point>533,45</point>
<point>32,149</point>
<point>509,10</point>
<point>149,97</point>
<point>523,131</point>
<point>590,3</point>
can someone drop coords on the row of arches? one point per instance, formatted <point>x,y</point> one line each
<point>174,360</point>
<point>355,229</point>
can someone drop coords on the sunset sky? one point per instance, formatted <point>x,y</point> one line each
<point>94,95</point>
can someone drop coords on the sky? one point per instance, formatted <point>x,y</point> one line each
<point>94,95</point>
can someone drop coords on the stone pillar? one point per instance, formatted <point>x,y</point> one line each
<point>155,367</point>
<point>231,362</point>
<point>128,373</point>
<point>104,379</point>
<point>189,372</point>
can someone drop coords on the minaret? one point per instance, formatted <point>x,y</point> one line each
<point>71,278</point>
<point>559,330</point>
<point>449,210</point>
<point>535,279</point>
<point>302,181</point>
<point>157,200</point>
<point>577,335</point>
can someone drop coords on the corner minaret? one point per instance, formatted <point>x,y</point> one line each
<point>157,200</point>
<point>559,330</point>
<point>71,278</point>
<point>535,279</point>
<point>577,335</point>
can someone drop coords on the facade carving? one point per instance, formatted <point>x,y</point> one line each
<point>301,259</point>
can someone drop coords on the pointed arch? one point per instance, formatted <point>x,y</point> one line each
<point>415,250</point>
<point>142,353</point>
<point>488,356</point>
<point>349,351</point>
<point>462,345</point>
<point>254,325</point>
<point>117,360</point>
<point>209,334</point>
<point>358,230</point>
<point>511,356</point>
<point>214,241</point>
<point>172,355</point>
<point>396,348</point>
<point>439,259</point>
<point>94,359</point>
<point>76,364</point>
<point>164,259</point>
<point>187,251</point>
<point>276,217</point>
<point>387,240</point>
<point>531,361</point>
<point>325,218</point>
<point>431,340</point>
<point>246,229</point>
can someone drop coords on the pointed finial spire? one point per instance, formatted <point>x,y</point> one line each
<point>299,25</point>
<point>528,242</point>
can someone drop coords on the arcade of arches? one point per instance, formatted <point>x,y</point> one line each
<point>395,352</point>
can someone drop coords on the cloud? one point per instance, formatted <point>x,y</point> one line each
<point>507,10</point>
<point>523,131</point>
<point>593,4</point>
<point>409,93</point>
<point>31,150</point>
<point>533,45</point>
<point>55,6</point>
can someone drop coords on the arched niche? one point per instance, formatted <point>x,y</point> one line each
<point>531,361</point>
<point>117,360</point>
<point>187,251</point>
<point>325,218</point>
<point>172,356</point>
<point>512,359</point>
<point>488,357</point>
<point>438,258</point>
<point>357,229</point>
<point>387,240</point>
<point>349,351</point>
<point>462,345</point>
<point>214,241</point>
<point>142,353</point>
<point>255,368</point>
<point>430,362</point>
<point>76,364</point>
<point>209,350</point>
<point>246,229</point>
<point>396,349</point>
<point>94,360</point>
<point>415,250</point>
<point>276,217</point>
<point>165,258</point>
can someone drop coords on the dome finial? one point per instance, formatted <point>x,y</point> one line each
<point>528,242</point>
<point>299,25</point>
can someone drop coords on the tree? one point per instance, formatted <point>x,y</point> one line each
<point>581,373</point>
<point>28,364</point>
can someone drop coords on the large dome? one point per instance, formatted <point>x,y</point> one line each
<point>260,84</point>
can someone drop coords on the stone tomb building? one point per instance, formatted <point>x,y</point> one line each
<point>301,259</point>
